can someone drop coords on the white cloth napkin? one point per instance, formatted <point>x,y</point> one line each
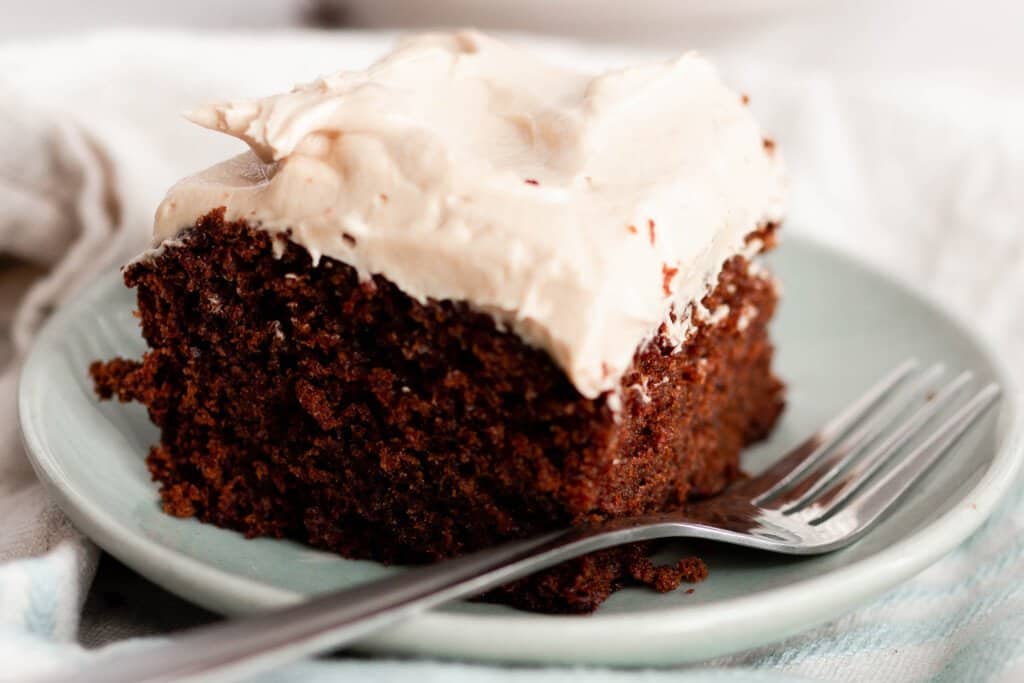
<point>921,177</point>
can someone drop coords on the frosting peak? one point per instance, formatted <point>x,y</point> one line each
<point>461,168</point>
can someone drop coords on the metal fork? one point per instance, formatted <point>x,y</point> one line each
<point>822,496</point>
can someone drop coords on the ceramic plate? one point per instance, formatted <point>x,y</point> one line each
<point>841,326</point>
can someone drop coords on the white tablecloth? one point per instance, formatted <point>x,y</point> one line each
<point>912,173</point>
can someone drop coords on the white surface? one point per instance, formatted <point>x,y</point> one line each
<point>916,173</point>
<point>948,39</point>
<point>90,456</point>
<point>609,19</point>
<point>585,212</point>
<point>975,42</point>
<point>33,20</point>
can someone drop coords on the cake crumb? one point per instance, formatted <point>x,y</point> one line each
<point>632,229</point>
<point>650,229</point>
<point>668,577</point>
<point>667,273</point>
<point>769,145</point>
<point>745,98</point>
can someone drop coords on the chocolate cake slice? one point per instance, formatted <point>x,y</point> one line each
<point>461,297</point>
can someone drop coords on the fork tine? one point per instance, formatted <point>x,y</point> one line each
<point>806,455</point>
<point>834,484</point>
<point>865,508</point>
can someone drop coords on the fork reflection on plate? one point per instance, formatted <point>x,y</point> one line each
<point>822,496</point>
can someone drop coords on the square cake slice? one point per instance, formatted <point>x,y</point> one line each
<point>461,297</point>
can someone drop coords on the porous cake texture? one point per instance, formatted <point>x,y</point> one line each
<point>297,401</point>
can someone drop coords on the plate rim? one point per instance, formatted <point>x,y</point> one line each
<point>666,636</point>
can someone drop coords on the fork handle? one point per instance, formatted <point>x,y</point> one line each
<point>248,646</point>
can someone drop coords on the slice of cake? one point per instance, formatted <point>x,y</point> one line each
<point>461,297</point>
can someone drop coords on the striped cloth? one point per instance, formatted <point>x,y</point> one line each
<point>925,177</point>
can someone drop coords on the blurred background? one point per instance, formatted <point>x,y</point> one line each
<point>982,39</point>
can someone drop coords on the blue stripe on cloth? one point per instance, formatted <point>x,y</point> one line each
<point>991,653</point>
<point>870,638</point>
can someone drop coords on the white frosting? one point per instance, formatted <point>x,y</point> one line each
<point>577,210</point>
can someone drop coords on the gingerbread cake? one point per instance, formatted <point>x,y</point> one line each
<point>461,297</point>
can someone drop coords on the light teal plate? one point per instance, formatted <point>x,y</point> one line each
<point>840,327</point>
